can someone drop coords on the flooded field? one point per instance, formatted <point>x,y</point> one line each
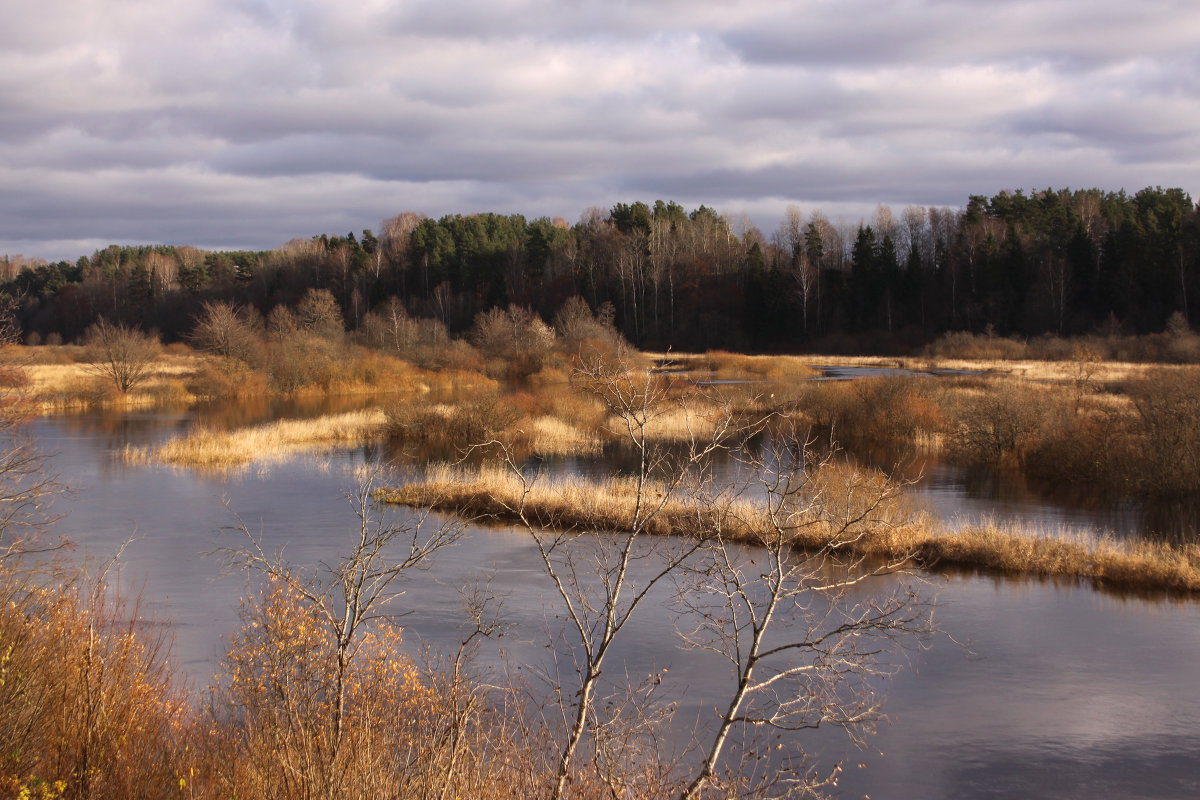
<point>1032,689</point>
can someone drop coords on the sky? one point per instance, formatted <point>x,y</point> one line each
<point>246,123</point>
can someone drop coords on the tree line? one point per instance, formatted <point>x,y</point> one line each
<point>1056,262</point>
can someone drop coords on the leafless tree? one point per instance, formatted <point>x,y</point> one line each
<point>787,611</point>
<point>226,330</point>
<point>768,579</point>
<point>121,354</point>
<point>791,241</point>
<point>594,579</point>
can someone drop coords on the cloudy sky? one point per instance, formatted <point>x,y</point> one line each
<point>244,123</point>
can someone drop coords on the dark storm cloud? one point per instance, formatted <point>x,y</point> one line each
<point>248,122</point>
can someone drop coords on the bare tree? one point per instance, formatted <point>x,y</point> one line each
<point>10,325</point>
<point>593,578</point>
<point>768,579</point>
<point>226,330</point>
<point>791,241</point>
<point>121,354</point>
<point>786,610</point>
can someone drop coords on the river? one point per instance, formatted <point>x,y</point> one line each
<point>1032,690</point>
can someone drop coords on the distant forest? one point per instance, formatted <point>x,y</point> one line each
<point>1050,262</point>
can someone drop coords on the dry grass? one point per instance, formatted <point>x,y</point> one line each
<point>58,379</point>
<point>553,436</point>
<point>674,423</point>
<point>568,503</point>
<point>894,533</point>
<point>71,386</point>
<point>223,450</point>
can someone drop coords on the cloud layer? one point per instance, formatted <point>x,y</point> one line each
<point>243,123</point>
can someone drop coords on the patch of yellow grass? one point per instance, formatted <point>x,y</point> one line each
<point>1050,371</point>
<point>738,365</point>
<point>561,504</point>
<point>56,387</point>
<point>554,436</point>
<point>212,449</point>
<point>577,504</point>
<point>674,423</point>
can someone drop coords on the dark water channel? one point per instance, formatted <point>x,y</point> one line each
<point>1035,690</point>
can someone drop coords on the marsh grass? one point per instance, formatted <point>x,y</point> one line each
<point>57,387</point>
<point>494,493</point>
<point>737,365</point>
<point>894,532</point>
<point>206,448</point>
<point>59,379</point>
<point>544,419</point>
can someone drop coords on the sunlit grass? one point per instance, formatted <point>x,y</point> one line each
<point>569,503</point>
<point>221,450</point>
<point>57,387</point>
<point>894,534</point>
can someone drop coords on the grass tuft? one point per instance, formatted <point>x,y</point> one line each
<point>223,450</point>
<point>892,533</point>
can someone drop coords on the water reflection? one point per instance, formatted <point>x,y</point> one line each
<point>1037,690</point>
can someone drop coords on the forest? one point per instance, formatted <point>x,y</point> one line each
<point>1056,262</point>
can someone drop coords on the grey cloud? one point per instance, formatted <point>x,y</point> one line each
<point>248,122</point>
<point>1073,36</point>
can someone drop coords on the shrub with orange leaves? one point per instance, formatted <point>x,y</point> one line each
<point>87,703</point>
<point>275,712</point>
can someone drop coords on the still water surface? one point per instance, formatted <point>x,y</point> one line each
<point>1035,690</point>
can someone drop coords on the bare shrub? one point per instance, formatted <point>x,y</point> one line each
<point>889,412</point>
<point>459,426</point>
<point>225,330</point>
<point>121,354</point>
<point>580,331</point>
<point>1168,407</point>
<point>788,673</point>
<point>516,337</point>
<point>1001,423</point>
<point>963,344</point>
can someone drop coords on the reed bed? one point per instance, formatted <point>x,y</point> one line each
<point>553,436</point>
<point>57,387</point>
<point>222,450</point>
<point>893,535</point>
<point>495,493</point>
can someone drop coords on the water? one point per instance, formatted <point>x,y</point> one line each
<point>1034,690</point>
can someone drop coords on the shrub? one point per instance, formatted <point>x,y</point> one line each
<point>1000,424</point>
<point>1168,406</point>
<point>482,419</point>
<point>121,354</point>
<point>516,340</point>
<point>276,708</point>
<point>87,707</point>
